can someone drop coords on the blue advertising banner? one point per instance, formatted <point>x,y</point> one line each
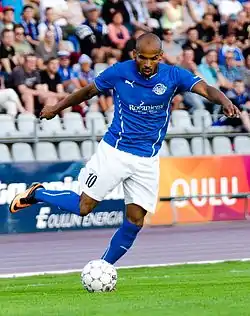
<point>15,178</point>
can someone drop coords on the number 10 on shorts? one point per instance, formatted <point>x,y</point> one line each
<point>91,180</point>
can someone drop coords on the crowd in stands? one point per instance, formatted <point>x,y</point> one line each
<point>52,48</point>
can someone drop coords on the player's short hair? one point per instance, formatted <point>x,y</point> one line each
<point>149,39</point>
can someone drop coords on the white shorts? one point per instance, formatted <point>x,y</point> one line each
<point>109,167</point>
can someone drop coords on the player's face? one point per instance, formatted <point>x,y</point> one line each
<point>147,62</point>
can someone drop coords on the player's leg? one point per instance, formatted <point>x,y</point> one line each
<point>125,236</point>
<point>141,193</point>
<point>97,179</point>
<point>66,200</point>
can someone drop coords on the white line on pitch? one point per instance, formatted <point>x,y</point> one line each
<point>27,274</point>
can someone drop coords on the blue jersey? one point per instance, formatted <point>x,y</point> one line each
<point>142,106</point>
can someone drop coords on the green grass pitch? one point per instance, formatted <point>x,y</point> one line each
<point>188,290</point>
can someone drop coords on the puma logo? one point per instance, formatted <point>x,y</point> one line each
<point>131,83</point>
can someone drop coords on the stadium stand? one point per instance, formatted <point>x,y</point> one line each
<point>203,36</point>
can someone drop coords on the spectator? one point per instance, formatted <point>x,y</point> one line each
<point>172,17</point>
<point>68,77</point>
<point>46,50</point>
<point>36,6</point>
<point>171,49</point>
<point>193,43</point>
<point>49,24</point>
<point>52,80</point>
<point>210,71</point>
<point>92,35</point>
<point>229,27</point>
<point>230,71</point>
<point>188,61</point>
<point>86,75</point>
<point>8,56</point>
<point>138,15</point>
<point>8,19</point>
<point>83,70</point>
<point>242,30</point>
<point>117,32</point>
<point>230,46</point>
<point>30,25</point>
<point>75,14</point>
<point>247,10</point>
<point>213,10</point>
<point>21,45</point>
<point>197,9</point>
<point>192,100</point>
<point>18,5</point>
<point>228,7</point>
<point>10,102</point>
<point>240,98</point>
<point>110,7</point>
<point>246,73</point>
<point>206,32</point>
<point>60,10</point>
<point>127,52</point>
<point>27,83</point>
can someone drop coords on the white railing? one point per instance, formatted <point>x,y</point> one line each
<point>173,199</point>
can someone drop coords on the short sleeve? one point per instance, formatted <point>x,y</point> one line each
<point>38,78</point>
<point>106,80</point>
<point>18,77</point>
<point>58,79</point>
<point>186,80</point>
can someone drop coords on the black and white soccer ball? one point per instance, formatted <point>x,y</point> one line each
<point>99,276</point>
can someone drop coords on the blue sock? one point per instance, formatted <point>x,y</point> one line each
<point>121,241</point>
<point>66,200</point>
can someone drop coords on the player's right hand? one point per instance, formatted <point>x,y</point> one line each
<point>230,110</point>
<point>48,112</point>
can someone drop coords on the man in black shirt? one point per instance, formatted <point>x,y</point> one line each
<point>52,80</point>
<point>7,52</point>
<point>206,31</point>
<point>26,81</point>
<point>192,42</point>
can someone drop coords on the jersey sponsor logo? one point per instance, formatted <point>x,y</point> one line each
<point>131,83</point>
<point>145,109</point>
<point>159,89</point>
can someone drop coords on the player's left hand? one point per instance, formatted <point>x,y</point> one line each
<point>230,110</point>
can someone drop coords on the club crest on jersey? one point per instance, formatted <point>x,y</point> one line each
<point>159,89</point>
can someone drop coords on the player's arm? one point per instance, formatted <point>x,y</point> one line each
<point>75,98</point>
<point>217,97</point>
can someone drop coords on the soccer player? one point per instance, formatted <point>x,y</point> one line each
<point>128,154</point>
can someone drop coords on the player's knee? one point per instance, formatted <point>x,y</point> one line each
<point>87,204</point>
<point>135,214</point>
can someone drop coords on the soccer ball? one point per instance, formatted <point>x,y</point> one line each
<point>99,276</point>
